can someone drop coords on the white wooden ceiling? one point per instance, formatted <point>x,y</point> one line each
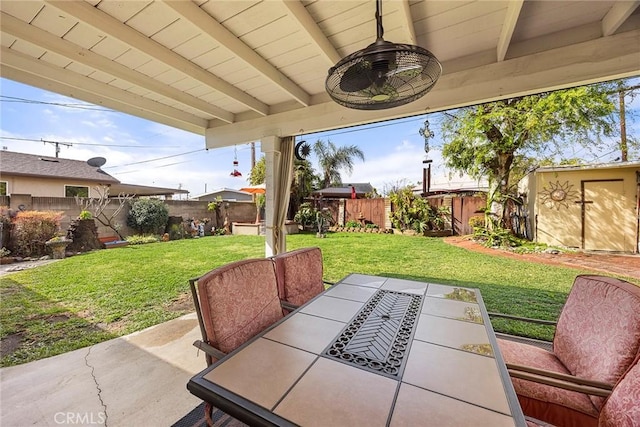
<point>239,70</point>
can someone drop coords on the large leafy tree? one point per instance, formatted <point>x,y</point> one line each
<point>257,174</point>
<point>501,139</point>
<point>333,159</point>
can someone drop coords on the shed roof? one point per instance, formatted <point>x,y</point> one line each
<point>616,165</point>
<point>221,190</point>
<point>344,191</point>
<point>144,190</point>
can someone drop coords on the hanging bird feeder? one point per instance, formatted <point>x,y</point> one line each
<point>236,172</point>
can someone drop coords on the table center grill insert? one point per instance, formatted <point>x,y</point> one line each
<point>378,337</point>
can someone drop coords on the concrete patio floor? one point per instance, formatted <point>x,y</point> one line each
<point>136,380</point>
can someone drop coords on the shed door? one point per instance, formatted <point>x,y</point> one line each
<point>603,216</point>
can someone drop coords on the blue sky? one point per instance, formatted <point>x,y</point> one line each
<point>142,152</point>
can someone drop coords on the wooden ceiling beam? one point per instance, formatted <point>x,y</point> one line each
<point>619,12</point>
<point>308,25</point>
<point>511,19</point>
<point>60,80</point>
<point>73,52</point>
<point>94,17</point>
<point>205,23</point>
<point>405,13</point>
<point>551,70</point>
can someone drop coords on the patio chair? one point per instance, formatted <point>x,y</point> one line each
<point>234,303</point>
<point>299,274</point>
<point>622,407</point>
<point>597,338</point>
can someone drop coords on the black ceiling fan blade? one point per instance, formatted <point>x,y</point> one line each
<point>356,78</point>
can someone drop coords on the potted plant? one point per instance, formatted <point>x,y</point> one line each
<point>58,246</point>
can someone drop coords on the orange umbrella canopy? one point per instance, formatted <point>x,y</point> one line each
<point>254,189</point>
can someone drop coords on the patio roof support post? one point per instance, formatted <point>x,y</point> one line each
<point>278,172</point>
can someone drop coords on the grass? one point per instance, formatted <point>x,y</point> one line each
<point>89,298</point>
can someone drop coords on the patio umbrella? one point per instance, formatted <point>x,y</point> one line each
<point>254,189</point>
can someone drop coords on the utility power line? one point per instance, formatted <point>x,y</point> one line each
<point>12,99</point>
<point>89,143</point>
<point>154,167</point>
<point>156,159</point>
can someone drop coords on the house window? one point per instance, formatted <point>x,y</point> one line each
<point>76,190</point>
<point>3,188</point>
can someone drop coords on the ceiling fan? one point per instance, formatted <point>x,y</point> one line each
<point>382,75</point>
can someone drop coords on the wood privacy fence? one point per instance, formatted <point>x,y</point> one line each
<point>377,211</point>
<point>369,211</point>
<point>462,208</point>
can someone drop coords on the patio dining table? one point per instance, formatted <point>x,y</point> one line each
<point>370,351</point>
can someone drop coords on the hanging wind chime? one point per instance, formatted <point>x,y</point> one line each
<point>236,172</point>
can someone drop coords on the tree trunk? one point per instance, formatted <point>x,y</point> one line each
<point>623,128</point>
<point>505,162</point>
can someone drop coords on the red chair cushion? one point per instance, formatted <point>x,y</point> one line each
<point>299,275</point>
<point>239,300</point>
<point>622,408</point>
<point>551,404</point>
<point>598,332</point>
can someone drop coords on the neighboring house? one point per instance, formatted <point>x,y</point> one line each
<point>592,207</point>
<point>463,185</point>
<point>225,194</point>
<point>43,176</point>
<point>344,191</point>
<point>144,191</point>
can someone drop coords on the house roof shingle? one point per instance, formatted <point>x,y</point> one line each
<point>344,191</point>
<point>21,164</point>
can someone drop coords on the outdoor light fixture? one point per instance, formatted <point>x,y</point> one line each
<point>383,75</point>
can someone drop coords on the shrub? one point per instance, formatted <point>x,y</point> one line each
<point>148,216</point>
<point>476,222</point>
<point>5,226</point>
<point>31,229</point>
<point>306,215</point>
<point>497,237</point>
<point>137,239</point>
<point>218,232</point>
<point>371,225</point>
<point>412,212</point>
<point>176,232</point>
<point>352,223</point>
<point>84,214</point>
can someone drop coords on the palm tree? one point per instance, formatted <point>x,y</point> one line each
<point>332,159</point>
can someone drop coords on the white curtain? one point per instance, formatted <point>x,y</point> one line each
<point>283,175</point>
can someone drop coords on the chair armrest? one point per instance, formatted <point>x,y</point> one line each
<point>545,345</point>
<point>523,319</point>
<point>209,349</point>
<point>288,306</point>
<point>556,379</point>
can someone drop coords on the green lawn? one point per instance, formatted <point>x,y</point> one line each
<point>86,299</point>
